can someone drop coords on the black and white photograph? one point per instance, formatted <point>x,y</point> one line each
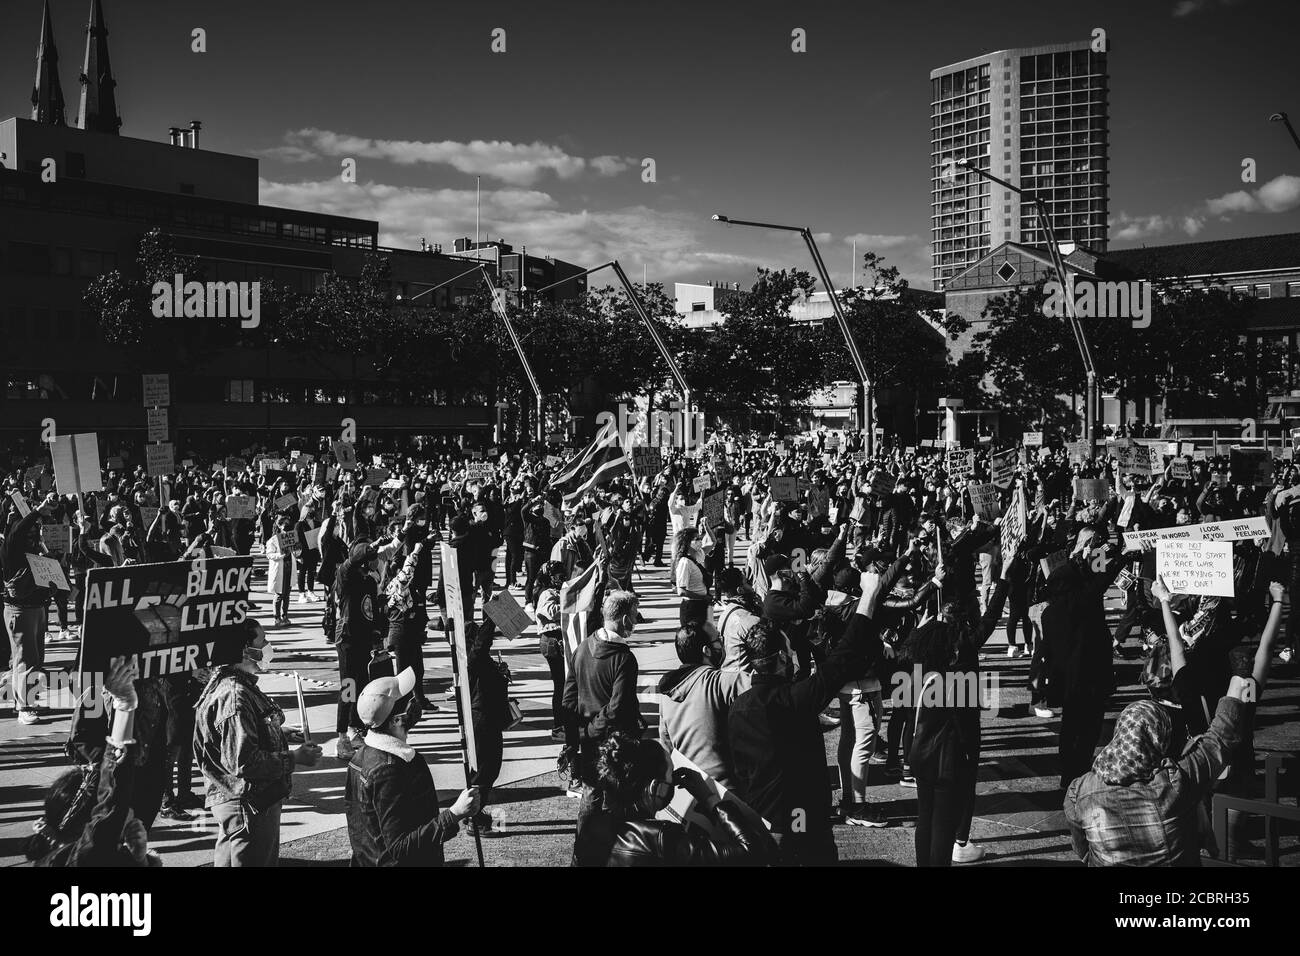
<point>743,434</point>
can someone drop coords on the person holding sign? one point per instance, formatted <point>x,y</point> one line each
<point>240,746</point>
<point>279,568</point>
<point>392,803</point>
<point>26,609</point>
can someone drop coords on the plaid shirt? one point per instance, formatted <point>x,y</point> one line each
<point>1154,822</point>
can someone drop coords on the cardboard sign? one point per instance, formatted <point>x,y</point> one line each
<point>1032,439</point>
<point>174,617</point>
<point>20,503</point>
<point>59,539</point>
<point>76,463</point>
<point>702,483</point>
<point>1002,467</point>
<point>157,424</point>
<point>157,391</point>
<point>1199,455</point>
<point>234,465</point>
<point>312,539</point>
<point>882,483</point>
<point>647,461</point>
<point>784,488</point>
<point>160,459</point>
<point>504,611</point>
<point>819,502</point>
<point>47,572</point>
<point>1015,524</point>
<point>480,471</point>
<point>713,508</point>
<point>1241,529</point>
<point>344,454</point>
<point>377,476</point>
<point>1195,567</point>
<point>285,502</point>
<point>1180,468</point>
<point>986,501</point>
<point>961,462</point>
<point>240,507</point>
<point>553,460</point>
<point>1078,452</point>
<point>1252,466</point>
<point>1092,489</point>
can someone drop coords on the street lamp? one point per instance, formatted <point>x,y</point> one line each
<point>499,307</point>
<point>1286,121</point>
<point>1091,397</point>
<point>868,393</point>
<point>640,308</point>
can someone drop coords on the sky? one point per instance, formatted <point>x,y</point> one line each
<point>558,126</point>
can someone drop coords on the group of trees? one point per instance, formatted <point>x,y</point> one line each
<point>1197,356</point>
<point>758,358</point>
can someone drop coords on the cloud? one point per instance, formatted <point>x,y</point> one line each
<point>1280,194</point>
<point>1186,8</point>
<point>873,241</point>
<point>671,244</point>
<point>1192,225</point>
<point>1131,228</point>
<point>519,164</point>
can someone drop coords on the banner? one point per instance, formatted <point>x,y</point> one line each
<point>457,617</point>
<point>174,617</point>
<point>1002,467</point>
<point>1242,529</point>
<point>76,463</point>
<point>1195,567</point>
<point>235,464</point>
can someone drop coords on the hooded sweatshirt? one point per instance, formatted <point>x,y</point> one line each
<point>693,715</point>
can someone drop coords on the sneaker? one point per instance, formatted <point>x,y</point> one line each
<point>876,760</point>
<point>827,721</point>
<point>450,695</point>
<point>968,852</point>
<point>865,815</point>
<point>428,706</point>
<point>908,780</point>
<point>1043,711</point>
<point>343,748</point>
<point>1285,655</point>
<point>171,811</point>
<point>27,717</point>
<point>1013,651</point>
<point>558,734</point>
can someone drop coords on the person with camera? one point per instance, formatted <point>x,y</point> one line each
<point>392,803</point>
<point>241,748</point>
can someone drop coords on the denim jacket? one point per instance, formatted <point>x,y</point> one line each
<point>1154,822</point>
<point>392,807</point>
<point>239,744</point>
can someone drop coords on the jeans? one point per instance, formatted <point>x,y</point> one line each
<point>307,570</point>
<point>245,838</point>
<point>533,560</point>
<point>282,605</point>
<point>354,674</point>
<point>860,712</point>
<point>514,560</point>
<point>26,629</point>
<point>943,815</point>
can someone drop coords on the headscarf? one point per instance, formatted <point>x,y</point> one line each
<point>1141,736</point>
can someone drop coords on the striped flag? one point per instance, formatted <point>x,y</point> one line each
<point>577,601</point>
<point>601,461</point>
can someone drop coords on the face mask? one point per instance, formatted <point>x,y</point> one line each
<point>411,716</point>
<point>268,655</point>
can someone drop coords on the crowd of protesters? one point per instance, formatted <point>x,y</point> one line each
<point>856,574</point>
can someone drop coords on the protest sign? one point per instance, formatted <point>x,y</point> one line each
<point>505,612</point>
<point>882,483</point>
<point>240,507</point>
<point>312,539</point>
<point>984,499</point>
<point>1092,489</point>
<point>713,508</point>
<point>1252,466</point>
<point>157,390</point>
<point>157,424</point>
<point>76,463</point>
<point>1078,452</point>
<point>173,617</point>
<point>456,615</point>
<point>377,476</point>
<point>1180,468</point>
<point>480,471</point>
<point>1195,567</point>
<point>961,462</point>
<point>47,572</point>
<point>58,538</point>
<point>32,475</point>
<point>647,461</point>
<point>701,483</point>
<point>1032,439</point>
<point>344,454</point>
<point>784,488</point>
<point>24,509</point>
<point>819,502</point>
<point>553,460</point>
<point>147,517</point>
<point>1241,529</point>
<point>285,502</point>
<point>1002,467</point>
<point>1199,455</point>
<point>392,484</point>
<point>160,459</point>
<point>235,464</point>
<point>1015,523</point>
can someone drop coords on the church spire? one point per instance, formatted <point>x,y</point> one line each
<point>98,111</point>
<point>47,94</point>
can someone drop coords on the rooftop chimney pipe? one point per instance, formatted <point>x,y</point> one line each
<point>195,126</point>
<point>174,135</point>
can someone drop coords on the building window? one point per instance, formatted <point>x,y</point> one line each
<point>1263,291</point>
<point>239,390</point>
<point>698,306</point>
<point>1293,290</point>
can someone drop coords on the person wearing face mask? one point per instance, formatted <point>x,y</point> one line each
<point>26,609</point>
<point>691,578</point>
<point>392,803</point>
<point>637,780</point>
<point>240,746</point>
<point>696,698</point>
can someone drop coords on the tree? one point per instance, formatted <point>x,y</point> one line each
<point>122,302</point>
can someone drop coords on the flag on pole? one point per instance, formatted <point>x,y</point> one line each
<point>577,601</point>
<point>601,461</point>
